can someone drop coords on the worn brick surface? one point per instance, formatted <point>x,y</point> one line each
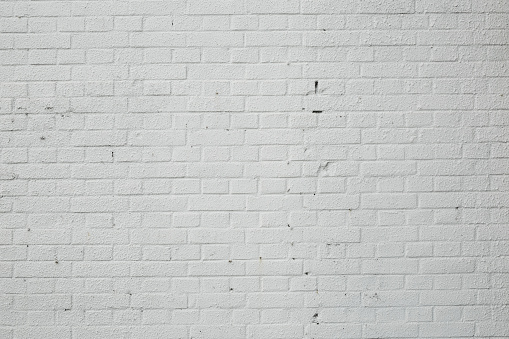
<point>254,169</point>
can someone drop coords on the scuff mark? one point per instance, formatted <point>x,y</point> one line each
<point>323,167</point>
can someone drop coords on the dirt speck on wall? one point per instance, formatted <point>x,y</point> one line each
<point>254,169</point>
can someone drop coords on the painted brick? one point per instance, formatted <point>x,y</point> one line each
<point>254,169</point>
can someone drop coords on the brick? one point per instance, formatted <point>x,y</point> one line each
<point>217,203</point>
<point>391,330</point>
<point>389,201</point>
<point>235,169</point>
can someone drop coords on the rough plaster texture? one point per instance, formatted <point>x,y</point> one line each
<point>254,169</point>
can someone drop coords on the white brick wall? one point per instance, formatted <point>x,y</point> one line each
<point>254,169</point>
